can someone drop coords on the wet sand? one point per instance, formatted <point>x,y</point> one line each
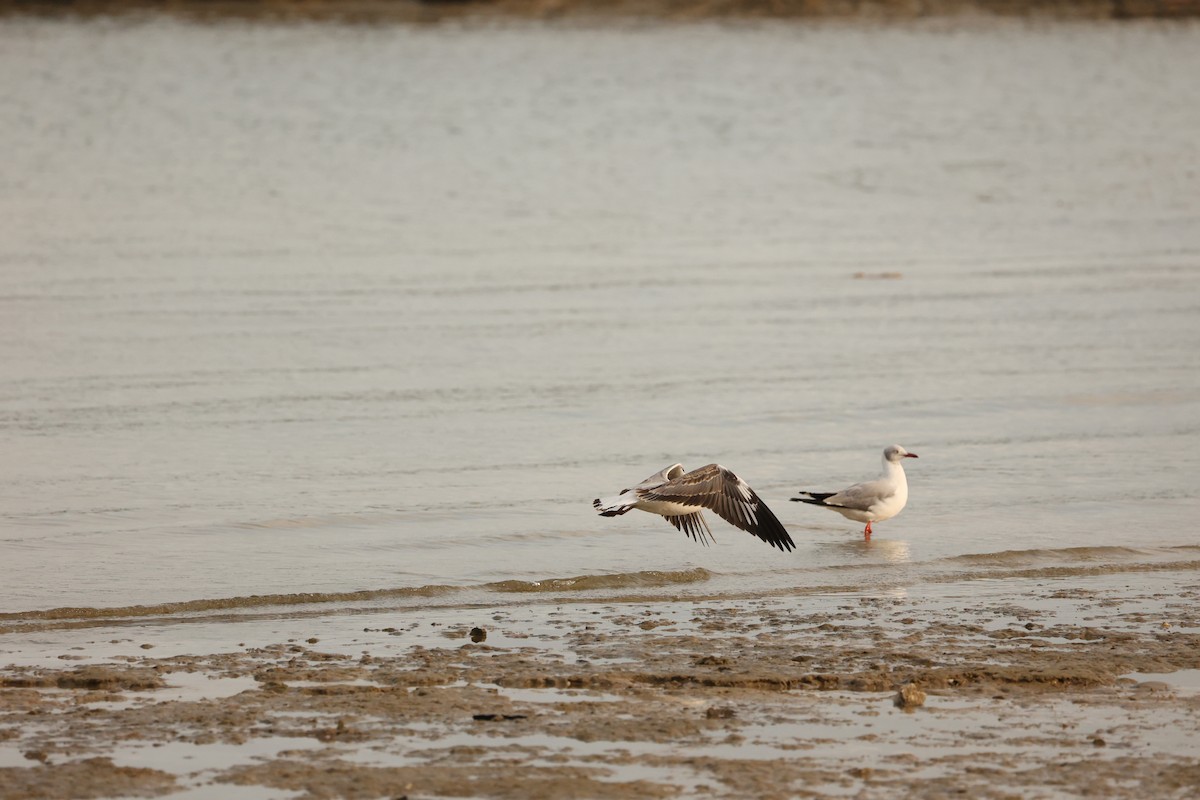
<point>1039,687</point>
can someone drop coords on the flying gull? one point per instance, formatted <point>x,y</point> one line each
<point>873,501</point>
<point>680,496</point>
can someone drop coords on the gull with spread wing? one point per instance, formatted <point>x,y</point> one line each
<point>872,501</point>
<point>680,496</point>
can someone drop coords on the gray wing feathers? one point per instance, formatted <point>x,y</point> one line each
<point>861,496</point>
<point>694,526</point>
<point>717,489</point>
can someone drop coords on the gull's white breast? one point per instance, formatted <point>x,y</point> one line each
<point>666,508</point>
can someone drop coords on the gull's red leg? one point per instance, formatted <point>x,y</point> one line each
<point>867,532</point>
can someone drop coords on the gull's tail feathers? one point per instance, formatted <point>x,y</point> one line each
<point>815,498</point>
<point>613,506</point>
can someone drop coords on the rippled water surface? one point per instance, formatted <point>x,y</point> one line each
<point>318,309</point>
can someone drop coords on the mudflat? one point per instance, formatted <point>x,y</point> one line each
<point>1041,686</point>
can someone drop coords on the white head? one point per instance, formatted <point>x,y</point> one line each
<point>894,452</point>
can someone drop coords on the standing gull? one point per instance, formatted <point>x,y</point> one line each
<point>680,496</point>
<point>873,501</point>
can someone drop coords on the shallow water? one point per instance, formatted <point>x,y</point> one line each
<point>309,310</point>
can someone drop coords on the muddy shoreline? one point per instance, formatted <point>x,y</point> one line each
<point>1067,684</point>
<point>432,11</point>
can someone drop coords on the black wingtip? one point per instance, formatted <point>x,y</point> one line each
<point>771,530</point>
<point>783,544</point>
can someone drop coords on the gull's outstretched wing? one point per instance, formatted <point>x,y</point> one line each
<point>717,489</point>
<point>694,526</point>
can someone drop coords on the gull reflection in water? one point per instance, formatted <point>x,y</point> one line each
<point>890,550</point>
<point>885,583</point>
<point>893,551</point>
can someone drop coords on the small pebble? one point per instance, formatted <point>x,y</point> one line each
<point>497,717</point>
<point>909,697</point>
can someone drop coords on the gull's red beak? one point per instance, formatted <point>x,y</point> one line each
<point>911,455</point>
